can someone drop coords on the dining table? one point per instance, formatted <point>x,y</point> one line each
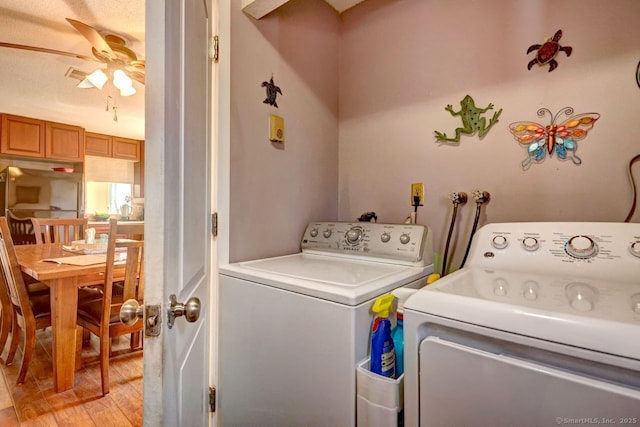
<point>63,280</point>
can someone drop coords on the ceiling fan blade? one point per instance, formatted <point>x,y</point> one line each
<point>136,75</point>
<point>45,50</point>
<point>94,37</point>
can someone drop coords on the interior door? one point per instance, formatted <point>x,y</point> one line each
<point>178,208</point>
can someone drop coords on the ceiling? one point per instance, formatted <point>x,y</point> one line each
<point>34,84</point>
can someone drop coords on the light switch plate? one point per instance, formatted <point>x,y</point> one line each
<point>276,129</point>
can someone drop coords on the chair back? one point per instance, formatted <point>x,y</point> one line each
<point>11,273</point>
<point>117,247</point>
<point>59,230</point>
<point>21,230</point>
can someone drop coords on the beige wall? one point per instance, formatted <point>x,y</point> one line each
<point>403,61</point>
<point>376,80</point>
<point>277,189</point>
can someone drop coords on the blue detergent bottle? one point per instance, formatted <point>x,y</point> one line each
<point>383,356</point>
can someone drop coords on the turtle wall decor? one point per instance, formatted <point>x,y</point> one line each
<point>547,52</point>
<point>272,92</point>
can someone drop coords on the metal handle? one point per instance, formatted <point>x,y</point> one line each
<point>190,310</point>
<point>131,311</point>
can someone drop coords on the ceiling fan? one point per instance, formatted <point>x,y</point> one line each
<point>109,49</point>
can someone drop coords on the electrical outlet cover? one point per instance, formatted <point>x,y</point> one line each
<point>417,189</point>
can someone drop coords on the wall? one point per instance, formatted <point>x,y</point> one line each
<point>277,189</point>
<point>403,61</point>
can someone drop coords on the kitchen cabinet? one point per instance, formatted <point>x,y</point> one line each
<point>112,146</point>
<point>28,137</point>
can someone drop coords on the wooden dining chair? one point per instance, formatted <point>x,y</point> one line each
<point>59,230</point>
<point>102,317</point>
<point>21,230</point>
<point>33,312</point>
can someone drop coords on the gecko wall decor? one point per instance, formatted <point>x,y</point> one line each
<point>562,138</point>
<point>547,52</point>
<point>472,121</point>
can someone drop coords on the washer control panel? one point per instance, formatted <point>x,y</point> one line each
<point>403,243</point>
<point>609,251</point>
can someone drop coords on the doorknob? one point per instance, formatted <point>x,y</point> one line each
<point>190,310</point>
<point>131,311</point>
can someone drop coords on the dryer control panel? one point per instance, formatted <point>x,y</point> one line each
<point>610,251</point>
<point>410,244</point>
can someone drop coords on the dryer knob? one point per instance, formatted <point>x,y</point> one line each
<point>385,237</point>
<point>405,238</point>
<point>314,232</point>
<point>582,247</point>
<point>499,242</point>
<point>530,244</point>
<point>582,297</point>
<point>635,303</point>
<point>327,233</point>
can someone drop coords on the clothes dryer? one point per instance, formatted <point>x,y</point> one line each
<point>540,327</point>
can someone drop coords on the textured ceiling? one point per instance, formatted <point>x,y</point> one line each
<point>34,83</point>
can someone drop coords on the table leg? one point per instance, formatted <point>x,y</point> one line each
<point>64,308</point>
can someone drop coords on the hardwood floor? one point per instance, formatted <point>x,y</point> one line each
<point>34,403</point>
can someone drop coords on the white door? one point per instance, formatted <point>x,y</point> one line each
<point>178,236</point>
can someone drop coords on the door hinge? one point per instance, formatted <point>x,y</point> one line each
<point>212,399</point>
<point>214,224</point>
<point>214,48</point>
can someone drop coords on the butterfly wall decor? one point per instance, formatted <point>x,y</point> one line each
<point>562,138</point>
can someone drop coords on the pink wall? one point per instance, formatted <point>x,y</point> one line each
<point>277,190</point>
<point>403,61</point>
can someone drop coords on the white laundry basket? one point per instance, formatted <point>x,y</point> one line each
<point>379,399</point>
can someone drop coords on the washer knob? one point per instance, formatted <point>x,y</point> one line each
<point>530,244</point>
<point>354,235</point>
<point>582,247</point>
<point>499,242</point>
<point>635,248</point>
<point>314,232</point>
<point>385,237</point>
<point>327,233</point>
<point>405,238</point>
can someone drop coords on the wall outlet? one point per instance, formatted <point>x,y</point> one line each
<point>417,189</point>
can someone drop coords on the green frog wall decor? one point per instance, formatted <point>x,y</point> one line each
<point>472,121</point>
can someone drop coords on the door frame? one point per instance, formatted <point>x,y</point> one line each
<point>154,211</point>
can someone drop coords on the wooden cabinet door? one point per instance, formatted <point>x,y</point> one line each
<point>22,136</point>
<point>96,144</point>
<point>126,149</point>
<point>64,142</point>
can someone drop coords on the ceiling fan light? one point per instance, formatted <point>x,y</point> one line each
<point>128,91</point>
<point>121,80</point>
<point>98,78</point>
<point>85,84</point>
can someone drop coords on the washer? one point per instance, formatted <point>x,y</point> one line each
<point>293,328</point>
<point>541,327</point>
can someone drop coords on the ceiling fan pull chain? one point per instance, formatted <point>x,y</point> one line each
<point>107,98</point>
<point>115,113</point>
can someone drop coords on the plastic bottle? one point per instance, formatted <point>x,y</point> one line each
<point>397,334</point>
<point>383,357</point>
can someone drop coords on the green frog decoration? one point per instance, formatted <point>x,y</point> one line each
<point>471,120</point>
